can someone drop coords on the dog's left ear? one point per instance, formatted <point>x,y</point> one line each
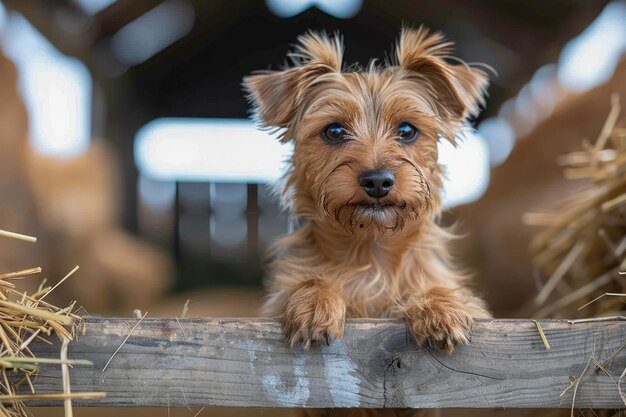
<point>459,90</point>
<point>276,94</point>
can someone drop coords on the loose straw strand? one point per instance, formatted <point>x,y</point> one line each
<point>65,377</point>
<point>124,341</point>
<point>69,274</point>
<point>18,236</point>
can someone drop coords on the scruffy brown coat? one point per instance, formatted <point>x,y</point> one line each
<point>355,256</point>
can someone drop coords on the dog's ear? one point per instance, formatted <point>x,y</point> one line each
<point>273,95</point>
<point>276,94</point>
<point>458,89</point>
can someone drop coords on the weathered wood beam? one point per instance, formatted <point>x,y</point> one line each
<point>246,363</point>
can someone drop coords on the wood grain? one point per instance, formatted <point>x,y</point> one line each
<point>246,363</point>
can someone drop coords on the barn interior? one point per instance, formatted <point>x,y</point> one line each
<point>127,145</point>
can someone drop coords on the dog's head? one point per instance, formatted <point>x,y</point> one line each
<point>365,141</point>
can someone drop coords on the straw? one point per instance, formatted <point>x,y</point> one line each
<point>18,236</point>
<point>24,318</point>
<point>583,243</point>
<point>581,248</point>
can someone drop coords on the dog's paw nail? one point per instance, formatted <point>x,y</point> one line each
<point>328,338</point>
<point>450,344</point>
<point>429,343</point>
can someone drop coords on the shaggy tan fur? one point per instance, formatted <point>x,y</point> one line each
<point>355,256</point>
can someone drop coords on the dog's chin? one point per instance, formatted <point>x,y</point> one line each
<point>376,219</point>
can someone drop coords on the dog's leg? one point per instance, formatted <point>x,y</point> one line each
<point>314,313</point>
<point>443,317</point>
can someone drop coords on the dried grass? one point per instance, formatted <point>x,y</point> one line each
<point>25,318</point>
<point>583,244</point>
<point>581,251</point>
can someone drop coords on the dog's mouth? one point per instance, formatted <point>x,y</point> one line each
<point>380,206</point>
<point>374,217</point>
<point>379,215</point>
<point>375,206</point>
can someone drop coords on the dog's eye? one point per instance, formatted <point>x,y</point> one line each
<point>407,132</point>
<point>334,133</point>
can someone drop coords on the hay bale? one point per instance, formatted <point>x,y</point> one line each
<point>580,251</point>
<point>24,318</point>
<point>496,242</point>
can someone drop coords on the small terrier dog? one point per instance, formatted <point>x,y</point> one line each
<point>365,186</point>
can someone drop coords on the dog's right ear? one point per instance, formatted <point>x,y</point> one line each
<point>273,95</point>
<point>276,94</point>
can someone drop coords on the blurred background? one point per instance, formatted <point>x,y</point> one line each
<point>125,144</point>
<point>127,149</point>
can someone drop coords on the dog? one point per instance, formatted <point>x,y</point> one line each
<point>364,184</point>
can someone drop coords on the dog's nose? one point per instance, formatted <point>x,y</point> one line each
<point>377,183</point>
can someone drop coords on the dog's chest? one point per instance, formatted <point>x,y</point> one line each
<point>371,291</point>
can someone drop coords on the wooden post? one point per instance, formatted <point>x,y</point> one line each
<point>246,363</point>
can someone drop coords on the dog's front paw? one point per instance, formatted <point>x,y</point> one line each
<point>314,314</point>
<point>443,318</point>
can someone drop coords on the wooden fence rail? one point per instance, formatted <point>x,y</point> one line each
<point>246,363</point>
